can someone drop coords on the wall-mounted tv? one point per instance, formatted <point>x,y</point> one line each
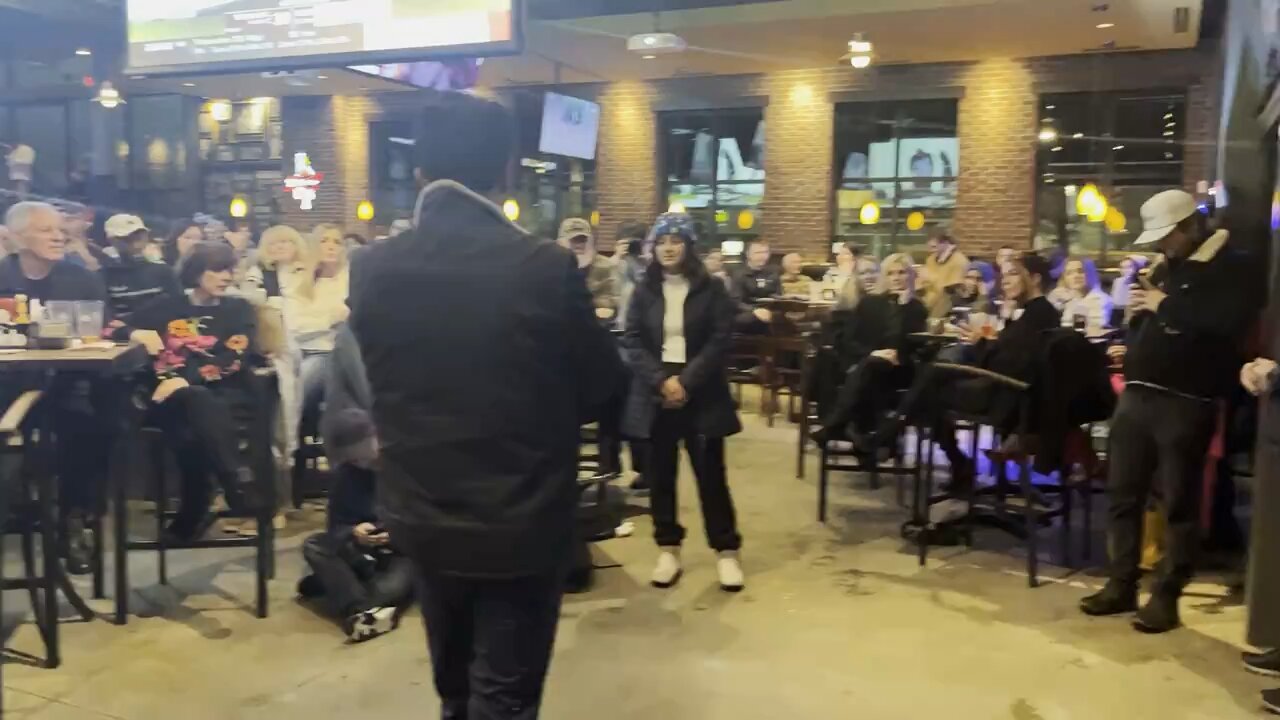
<point>570,126</point>
<point>221,36</point>
<point>459,74</point>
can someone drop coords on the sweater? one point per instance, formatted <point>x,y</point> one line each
<point>314,320</point>
<point>937,276</point>
<point>203,344</point>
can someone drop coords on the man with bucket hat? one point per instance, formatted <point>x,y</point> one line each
<point>1182,355</point>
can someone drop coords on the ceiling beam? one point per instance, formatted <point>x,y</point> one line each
<point>77,11</point>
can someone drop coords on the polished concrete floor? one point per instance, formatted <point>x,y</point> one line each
<point>838,621</point>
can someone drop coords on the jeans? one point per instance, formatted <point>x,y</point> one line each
<point>707,456</point>
<point>490,642</point>
<point>314,375</point>
<point>350,585</point>
<point>1158,440</point>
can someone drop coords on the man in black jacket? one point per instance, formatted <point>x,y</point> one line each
<point>756,281</point>
<point>132,280</point>
<point>485,357</point>
<point>1183,355</point>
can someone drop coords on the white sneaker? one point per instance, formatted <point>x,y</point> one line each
<point>668,570</point>
<point>730,572</point>
<point>371,623</point>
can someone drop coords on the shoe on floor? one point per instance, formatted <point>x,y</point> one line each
<point>1159,615</point>
<point>371,623</point>
<point>310,587</point>
<point>667,572</point>
<point>639,484</point>
<point>729,569</point>
<point>1271,701</point>
<point>77,551</point>
<point>1114,599</point>
<point>1263,663</point>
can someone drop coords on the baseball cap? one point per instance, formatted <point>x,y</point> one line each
<point>575,228</point>
<point>1162,212</point>
<point>119,226</point>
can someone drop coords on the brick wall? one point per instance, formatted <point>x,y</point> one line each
<point>997,124</point>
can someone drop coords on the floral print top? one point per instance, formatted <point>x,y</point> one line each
<point>203,344</point>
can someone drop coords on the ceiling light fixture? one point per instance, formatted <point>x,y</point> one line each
<point>1118,147</point>
<point>860,51</point>
<point>108,96</point>
<point>322,77</point>
<point>1056,148</point>
<point>1168,116</point>
<point>1047,134</point>
<point>188,84</point>
<point>648,57</point>
<point>1078,135</point>
<point>1050,107</point>
<point>1105,26</point>
<point>84,52</point>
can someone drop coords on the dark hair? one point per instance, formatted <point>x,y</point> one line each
<point>757,241</point>
<point>1196,225</point>
<point>466,139</point>
<point>205,257</point>
<point>176,230</point>
<point>691,266</point>
<point>1037,265</point>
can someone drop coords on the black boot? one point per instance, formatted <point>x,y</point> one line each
<point>1114,599</point>
<point>77,546</point>
<point>1159,615</point>
<point>188,528</point>
<point>1263,663</point>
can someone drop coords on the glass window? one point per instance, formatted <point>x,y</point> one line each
<point>394,186</point>
<point>550,190</point>
<point>896,165</point>
<point>1127,145</point>
<point>713,167</point>
<point>44,128</point>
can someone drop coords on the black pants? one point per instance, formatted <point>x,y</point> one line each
<point>490,642</point>
<point>933,394</point>
<point>868,390</point>
<point>88,412</point>
<point>670,428</point>
<point>1158,440</point>
<point>200,426</point>
<point>351,583</point>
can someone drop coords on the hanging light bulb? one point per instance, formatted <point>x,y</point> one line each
<point>1087,199</point>
<point>859,51</point>
<point>869,214</point>
<point>238,208</point>
<point>511,209</point>
<point>108,96</point>
<point>364,211</point>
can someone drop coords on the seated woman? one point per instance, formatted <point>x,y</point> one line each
<point>316,309</point>
<point>1129,269</point>
<point>976,292</point>
<point>1080,298</point>
<point>1014,353</point>
<point>203,382</point>
<point>846,267</point>
<point>795,284</point>
<point>871,342</point>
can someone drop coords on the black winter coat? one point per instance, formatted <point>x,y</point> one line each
<point>708,331</point>
<point>484,355</point>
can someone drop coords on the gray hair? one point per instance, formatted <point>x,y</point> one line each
<point>19,216</point>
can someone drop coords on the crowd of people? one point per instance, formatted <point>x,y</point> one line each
<point>449,369</point>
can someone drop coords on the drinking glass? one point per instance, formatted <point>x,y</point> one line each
<point>89,320</point>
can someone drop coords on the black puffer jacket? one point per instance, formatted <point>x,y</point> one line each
<point>708,331</point>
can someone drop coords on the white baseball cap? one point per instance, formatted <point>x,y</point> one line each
<point>122,226</point>
<point>1162,212</point>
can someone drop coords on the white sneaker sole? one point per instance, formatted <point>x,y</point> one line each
<point>1261,671</point>
<point>372,624</point>
<point>668,584</point>
<point>1271,707</point>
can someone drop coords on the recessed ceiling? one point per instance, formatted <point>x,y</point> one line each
<point>772,36</point>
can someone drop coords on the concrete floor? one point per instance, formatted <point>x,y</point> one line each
<point>836,622</point>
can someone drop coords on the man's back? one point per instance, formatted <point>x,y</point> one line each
<point>482,350</point>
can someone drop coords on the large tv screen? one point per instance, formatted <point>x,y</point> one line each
<point>570,126</point>
<point>194,36</point>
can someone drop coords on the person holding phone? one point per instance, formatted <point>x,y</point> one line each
<point>1189,321</point>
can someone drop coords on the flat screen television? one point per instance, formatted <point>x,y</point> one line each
<point>222,36</point>
<point>570,126</point>
<point>459,74</point>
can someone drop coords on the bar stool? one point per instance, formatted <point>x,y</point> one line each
<point>258,432</point>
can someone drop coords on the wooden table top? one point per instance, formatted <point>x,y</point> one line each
<point>118,358</point>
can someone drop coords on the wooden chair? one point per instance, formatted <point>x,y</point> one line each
<point>786,355</point>
<point>747,359</point>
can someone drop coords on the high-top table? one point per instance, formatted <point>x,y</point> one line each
<point>40,370</point>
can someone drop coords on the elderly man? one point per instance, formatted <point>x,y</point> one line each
<point>38,271</point>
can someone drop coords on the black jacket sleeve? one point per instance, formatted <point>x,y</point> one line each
<point>1227,306</point>
<point>714,353</point>
<point>640,359</point>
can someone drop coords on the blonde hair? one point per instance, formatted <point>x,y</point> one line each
<point>317,236</point>
<point>852,292</point>
<point>907,263</point>
<point>277,233</point>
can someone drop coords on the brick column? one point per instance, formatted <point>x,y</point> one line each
<point>627,163</point>
<point>796,215</point>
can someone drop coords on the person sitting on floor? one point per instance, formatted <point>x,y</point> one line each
<point>203,382</point>
<point>1014,353</point>
<point>872,344</point>
<point>356,571</point>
